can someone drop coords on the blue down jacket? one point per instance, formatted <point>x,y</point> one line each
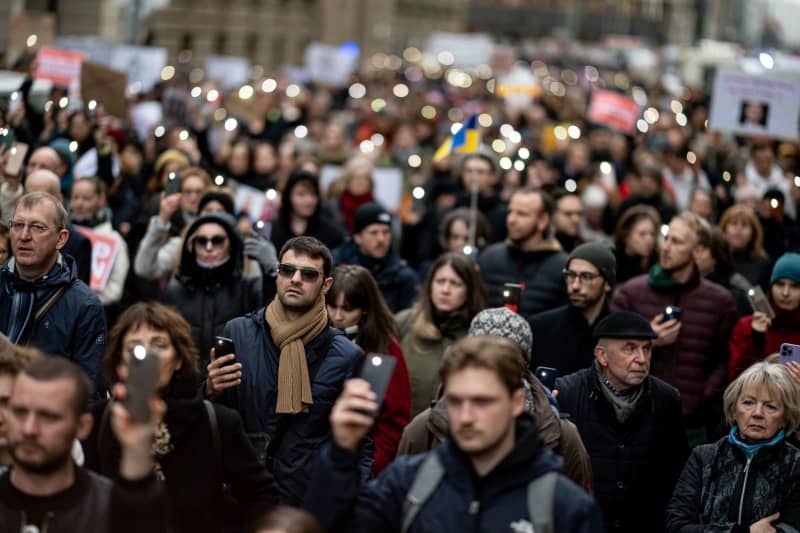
<point>255,398</point>
<point>462,502</point>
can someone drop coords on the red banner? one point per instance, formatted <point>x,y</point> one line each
<point>615,110</point>
<point>62,67</point>
<point>104,252</point>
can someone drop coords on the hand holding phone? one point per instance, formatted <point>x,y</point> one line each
<point>16,156</point>
<point>512,292</point>
<point>223,370</point>
<point>224,346</point>
<point>547,375</point>
<point>789,353</point>
<point>671,312</point>
<point>759,302</point>
<point>173,184</point>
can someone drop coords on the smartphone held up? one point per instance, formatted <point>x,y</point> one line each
<point>141,383</point>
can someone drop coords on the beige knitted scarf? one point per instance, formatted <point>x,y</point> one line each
<point>291,336</point>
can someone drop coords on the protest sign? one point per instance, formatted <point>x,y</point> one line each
<point>62,67</point>
<point>519,87</point>
<point>104,253</point>
<point>330,65</point>
<point>755,105</point>
<point>106,87</point>
<point>615,110</point>
<point>145,116</point>
<point>228,70</point>
<point>143,64</point>
<point>469,49</point>
<point>387,184</point>
<point>258,204</point>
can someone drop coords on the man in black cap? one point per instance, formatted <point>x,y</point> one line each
<point>563,337</point>
<point>371,247</point>
<point>630,423</point>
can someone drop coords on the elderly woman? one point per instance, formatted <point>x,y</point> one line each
<point>749,480</point>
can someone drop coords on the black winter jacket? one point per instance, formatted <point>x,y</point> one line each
<point>563,339</point>
<point>540,270</point>
<point>74,327</point>
<point>255,398</point>
<point>194,470</point>
<point>717,491</point>
<point>634,465</point>
<point>396,280</point>
<point>462,502</point>
<point>209,298</point>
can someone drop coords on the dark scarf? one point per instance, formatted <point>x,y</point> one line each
<point>25,297</point>
<point>623,403</point>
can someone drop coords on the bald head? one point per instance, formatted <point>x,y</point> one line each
<point>45,158</point>
<point>44,181</point>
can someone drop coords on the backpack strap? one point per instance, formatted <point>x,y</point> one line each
<point>425,482</point>
<point>541,497</point>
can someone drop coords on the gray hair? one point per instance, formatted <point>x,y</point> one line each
<point>32,199</point>
<point>778,382</point>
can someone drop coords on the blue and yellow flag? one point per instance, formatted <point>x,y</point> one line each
<point>465,141</point>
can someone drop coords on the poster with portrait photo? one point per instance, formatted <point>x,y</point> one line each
<point>755,105</point>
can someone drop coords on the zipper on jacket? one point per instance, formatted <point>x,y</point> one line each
<point>744,489</point>
<point>475,511</point>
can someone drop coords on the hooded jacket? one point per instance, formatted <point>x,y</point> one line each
<point>209,297</point>
<point>461,502</point>
<point>396,280</point>
<point>430,427</point>
<point>539,269</point>
<point>74,327</point>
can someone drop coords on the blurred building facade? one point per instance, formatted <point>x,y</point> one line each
<point>275,32</point>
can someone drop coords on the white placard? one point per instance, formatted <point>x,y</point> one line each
<point>230,71</point>
<point>468,49</point>
<point>755,105</point>
<point>387,182</point>
<point>143,64</point>
<point>329,64</point>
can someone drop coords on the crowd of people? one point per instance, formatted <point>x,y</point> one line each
<point>586,325</point>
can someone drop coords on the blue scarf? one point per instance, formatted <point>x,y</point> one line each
<point>24,297</point>
<point>751,449</point>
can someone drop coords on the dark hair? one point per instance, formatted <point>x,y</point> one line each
<point>482,227</point>
<point>313,248</point>
<point>360,291</point>
<point>157,316</point>
<point>496,354</point>
<point>483,157</point>
<point>52,368</point>
<point>548,205</point>
<point>630,217</point>
<point>295,178</point>
<point>721,252</point>
<point>287,519</point>
<point>423,312</point>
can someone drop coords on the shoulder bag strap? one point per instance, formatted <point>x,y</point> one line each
<point>425,482</point>
<point>541,497</point>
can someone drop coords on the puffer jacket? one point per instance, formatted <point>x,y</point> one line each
<point>461,502</point>
<point>719,490</point>
<point>209,298</point>
<point>74,327</point>
<point>635,465</point>
<point>696,364</point>
<point>539,269</point>
<point>256,397</point>
<point>430,427</point>
<point>396,280</point>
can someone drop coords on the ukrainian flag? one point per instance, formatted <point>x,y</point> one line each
<point>465,141</point>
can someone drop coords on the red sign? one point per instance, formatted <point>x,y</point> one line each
<point>104,252</point>
<point>615,110</point>
<point>62,67</point>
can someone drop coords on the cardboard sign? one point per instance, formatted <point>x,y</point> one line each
<point>329,65</point>
<point>229,71</point>
<point>615,110</point>
<point>104,253</point>
<point>106,87</point>
<point>755,105</point>
<point>62,67</point>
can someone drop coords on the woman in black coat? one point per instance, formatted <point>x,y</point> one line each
<point>209,289</point>
<point>199,447</point>
<point>749,480</point>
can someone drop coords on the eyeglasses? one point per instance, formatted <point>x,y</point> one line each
<point>585,277</point>
<point>309,275</point>
<point>216,241</point>
<point>35,228</point>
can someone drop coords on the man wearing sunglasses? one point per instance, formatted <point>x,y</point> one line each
<point>288,368</point>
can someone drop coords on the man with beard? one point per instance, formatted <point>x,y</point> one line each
<point>530,256</point>
<point>493,473</point>
<point>564,336</point>
<point>289,367</point>
<point>44,489</point>
<point>690,352</point>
